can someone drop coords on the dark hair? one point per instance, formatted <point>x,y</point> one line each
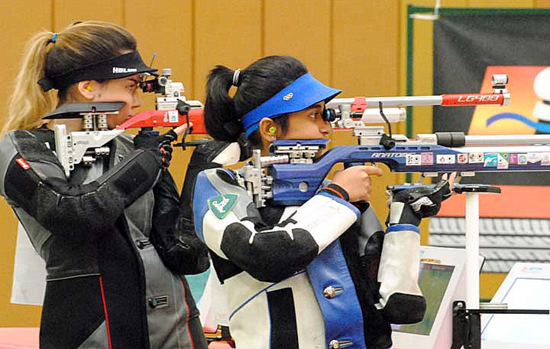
<point>256,84</point>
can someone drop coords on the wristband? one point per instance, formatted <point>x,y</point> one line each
<point>336,190</point>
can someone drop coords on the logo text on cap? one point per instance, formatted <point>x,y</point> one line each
<point>119,70</point>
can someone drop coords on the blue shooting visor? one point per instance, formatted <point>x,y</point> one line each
<point>302,93</point>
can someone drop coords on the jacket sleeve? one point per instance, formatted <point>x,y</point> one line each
<point>33,179</point>
<point>228,222</point>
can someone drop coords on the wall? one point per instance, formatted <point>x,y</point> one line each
<point>356,45</point>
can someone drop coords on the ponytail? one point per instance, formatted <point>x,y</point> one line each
<point>222,122</point>
<point>29,103</point>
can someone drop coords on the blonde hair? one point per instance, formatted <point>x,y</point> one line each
<point>76,46</point>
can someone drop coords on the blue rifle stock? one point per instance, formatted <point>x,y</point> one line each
<point>294,175</point>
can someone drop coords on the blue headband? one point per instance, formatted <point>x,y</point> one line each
<point>302,93</point>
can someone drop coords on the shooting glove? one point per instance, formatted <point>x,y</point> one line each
<point>179,247</point>
<point>410,205</point>
<point>401,299</point>
<point>160,145</point>
<point>172,234</point>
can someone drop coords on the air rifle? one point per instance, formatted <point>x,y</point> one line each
<point>86,146</point>
<point>292,174</point>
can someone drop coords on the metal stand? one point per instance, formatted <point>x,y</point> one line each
<point>466,327</point>
<point>467,321</point>
<point>472,192</point>
<point>472,249</point>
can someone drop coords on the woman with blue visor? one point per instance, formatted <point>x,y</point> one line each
<point>295,277</point>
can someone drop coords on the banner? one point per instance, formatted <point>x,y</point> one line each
<point>468,49</point>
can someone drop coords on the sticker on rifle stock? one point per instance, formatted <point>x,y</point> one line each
<point>476,158</point>
<point>491,160</point>
<point>503,160</point>
<point>533,158</point>
<point>522,159</point>
<point>427,159</point>
<point>445,159</point>
<point>173,116</point>
<point>462,158</point>
<point>413,160</point>
<point>222,205</point>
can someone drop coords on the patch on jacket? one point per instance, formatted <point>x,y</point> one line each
<point>222,205</point>
<point>24,165</point>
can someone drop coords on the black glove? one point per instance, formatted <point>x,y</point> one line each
<point>410,205</point>
<point>172,234</point>
<point>161,145</point>
<point>179,247</point>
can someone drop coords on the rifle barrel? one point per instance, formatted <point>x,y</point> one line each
<point>464,99</point>
<point>508,140</point>
<point>459,139</point>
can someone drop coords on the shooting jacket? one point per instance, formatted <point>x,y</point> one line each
<point>106,285</point>
<point>295,277</point>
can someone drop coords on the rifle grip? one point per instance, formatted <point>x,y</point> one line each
<point>148,130</point>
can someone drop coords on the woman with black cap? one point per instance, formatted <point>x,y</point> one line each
<point>111,282</point>
<point>307,276</point>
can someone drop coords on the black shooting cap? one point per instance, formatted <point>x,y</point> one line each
<point>113,68</point>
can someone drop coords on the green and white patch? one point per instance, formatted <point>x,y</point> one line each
<point>222,205</point>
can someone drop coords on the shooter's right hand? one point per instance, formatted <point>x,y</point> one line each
<point>161,145</point>
<point>356,181</point>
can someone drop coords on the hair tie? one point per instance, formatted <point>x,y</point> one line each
<point>236,77</point>
<point>54,37</point>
